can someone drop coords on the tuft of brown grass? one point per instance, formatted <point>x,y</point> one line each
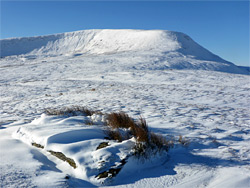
<point>143,124</point>
<point>147,143</point>
<point>114,135</point>
<point>119,120</point>
<point>159,142</point>
<point>183,141</point>
<point>70,111</point>
<point>140,131</point>
<point>141,150</point>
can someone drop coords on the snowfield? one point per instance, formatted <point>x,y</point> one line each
<point>180,88</point>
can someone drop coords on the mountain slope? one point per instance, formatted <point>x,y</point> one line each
<point>171,49</point>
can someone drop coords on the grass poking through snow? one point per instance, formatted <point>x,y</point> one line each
<point>70,111</point>
<point>122,127</point>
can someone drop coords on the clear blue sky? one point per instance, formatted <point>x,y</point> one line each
<point>221,27</point>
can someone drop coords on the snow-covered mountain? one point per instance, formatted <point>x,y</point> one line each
<point>159,49</point>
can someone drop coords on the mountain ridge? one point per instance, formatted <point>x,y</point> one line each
<point>176,49</point>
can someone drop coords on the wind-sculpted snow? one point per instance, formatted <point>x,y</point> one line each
<point>169,49</point>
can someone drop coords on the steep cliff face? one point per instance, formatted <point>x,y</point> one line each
<point>172,49</point>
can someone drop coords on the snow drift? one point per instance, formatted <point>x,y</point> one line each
<point>174,49</point>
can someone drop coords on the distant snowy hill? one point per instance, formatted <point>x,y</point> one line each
<point>157,48</point>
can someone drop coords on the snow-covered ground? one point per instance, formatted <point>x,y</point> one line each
<point>210,109</point>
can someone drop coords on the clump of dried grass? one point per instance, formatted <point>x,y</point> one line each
<point>140,131</point>
<point>70,111</point>
<point>119,120</point>
<point>183,141</point>
<point>114,135</point>
<point>160,142</point>
<point>146,141</point>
